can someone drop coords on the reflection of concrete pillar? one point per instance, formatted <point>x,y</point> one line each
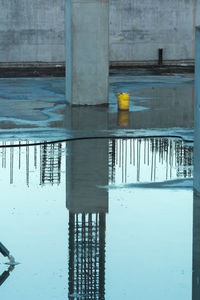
<point>196,205</point>
<point>87,169</point>
<point>87,62</point>
<point>88,161</point>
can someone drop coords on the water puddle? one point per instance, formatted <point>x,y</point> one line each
<point>99,219</point>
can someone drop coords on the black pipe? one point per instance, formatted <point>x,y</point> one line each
<point>4,276</point>
<point>4,251</point>
<point>112,137</point>
<point>160,56</point>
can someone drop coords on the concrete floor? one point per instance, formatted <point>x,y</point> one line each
<point>35,108</point>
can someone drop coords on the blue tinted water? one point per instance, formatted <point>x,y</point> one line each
<point>70,215</point>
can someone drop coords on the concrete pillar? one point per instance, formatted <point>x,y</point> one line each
<point>197,113</point>
<point>87,51</point>
<point>196,198</point>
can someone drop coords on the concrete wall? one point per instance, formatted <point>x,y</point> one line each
<point>33,31</point>
<point>139,27</point>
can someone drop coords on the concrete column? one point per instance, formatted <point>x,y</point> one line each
<point>197,113</point>
<point>196,198</point>
<point>87,51</point>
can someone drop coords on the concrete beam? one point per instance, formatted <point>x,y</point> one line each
<point>87,51</point>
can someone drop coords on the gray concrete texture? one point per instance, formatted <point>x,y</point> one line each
<point>139,28</point>
<point>87,52</point>
<point>166,106</point>
<point>34,31</point>
<point>35,108</point>
<point>87,169</point>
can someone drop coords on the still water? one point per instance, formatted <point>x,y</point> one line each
<point>99,219</point>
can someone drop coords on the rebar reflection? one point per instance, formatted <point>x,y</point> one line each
<point>150,160</point>
<point>25,159</point>
<point>87,256</point>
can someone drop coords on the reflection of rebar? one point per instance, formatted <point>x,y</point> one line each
<point>173,154</point>
<point>112,154</point>
<point>27,165</point>
<point>4,156</point>
<point>35,157</point>
<point>87,256</point>
<point>11,164</point>
<point>19,156</point>
<point>50,160</point>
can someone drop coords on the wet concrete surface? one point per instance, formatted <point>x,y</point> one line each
<point>31,103</point>
<point>36,107</point>
<point>99,218</point>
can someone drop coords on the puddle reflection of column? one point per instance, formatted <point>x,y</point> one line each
<point>87,255</point>
<point>87,165</point>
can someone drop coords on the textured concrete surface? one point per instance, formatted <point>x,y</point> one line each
<point>27,104</point>
<point>87,52</point>
<point>33,31</point>
<point>87,162</point>
<point>139,28</point>
<point>35,108</point>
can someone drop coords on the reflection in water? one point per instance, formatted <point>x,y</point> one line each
<point>149,159</point>
<point>91,164</point>
<point>86,256</point>
<point>123,118</point>
<point>50,156</point>
<point>87,206</point>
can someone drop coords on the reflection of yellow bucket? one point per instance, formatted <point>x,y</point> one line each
<point>123,101</point>
<point>123,118</point>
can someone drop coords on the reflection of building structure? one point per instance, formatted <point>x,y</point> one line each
<point>87,255</point>
<point>149,159</point>
<point>25,159</point>
<point>87,167</point>
<point>50,166</point>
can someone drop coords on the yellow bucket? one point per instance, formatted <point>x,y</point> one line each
<point>123,101</point>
